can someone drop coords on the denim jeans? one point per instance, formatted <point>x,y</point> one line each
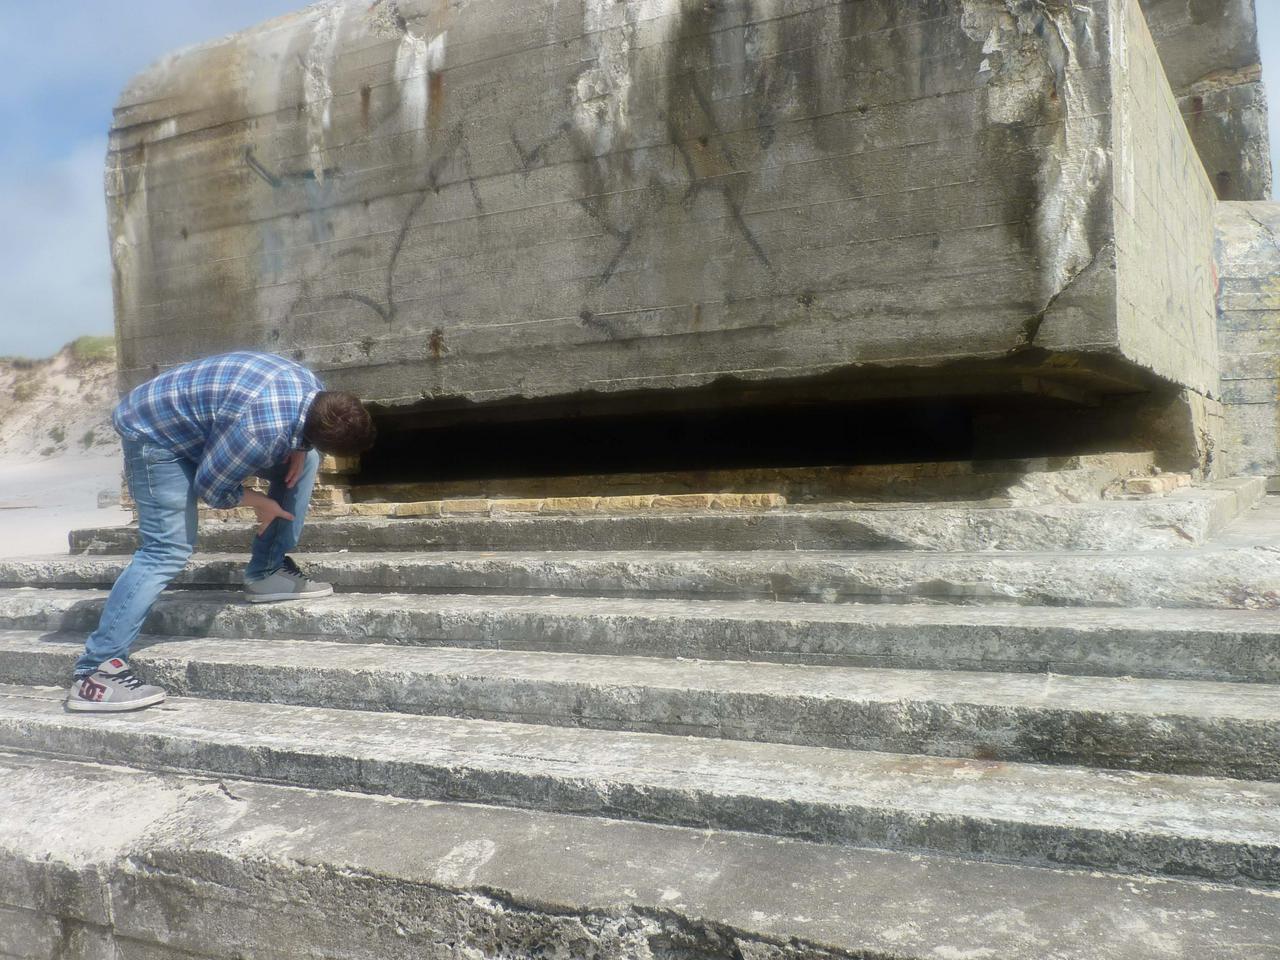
<point>163,486</point>
<point>268,550</point>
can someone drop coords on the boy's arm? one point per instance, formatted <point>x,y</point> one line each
<point>229,460</point>
<point>258,440</point>
<point>266,509</point>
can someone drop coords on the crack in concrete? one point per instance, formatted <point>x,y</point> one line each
<point>634,929</point>
<point>1275,241</point>
<point>1032,325</point>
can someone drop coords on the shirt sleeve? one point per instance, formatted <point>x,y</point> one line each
<point>233,457</point>
<point>257,441</point>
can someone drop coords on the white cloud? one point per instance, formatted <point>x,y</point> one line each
<point>60,76</point>
<point>93,41</point>
<point>53,247</point>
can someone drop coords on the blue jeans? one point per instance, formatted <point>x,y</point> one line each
<point>267,553</point>
<point>163,486</point>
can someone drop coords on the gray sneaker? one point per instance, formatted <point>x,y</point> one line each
<point>112,688</point>
<point>287,583</point>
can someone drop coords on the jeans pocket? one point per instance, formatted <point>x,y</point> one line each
<point>163,478</point>
<point>154,453</point>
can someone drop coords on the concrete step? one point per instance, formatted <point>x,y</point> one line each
<point>1204,578</point>
<point>1214,729</point>
<point>1184,519</point>
<point>1216,829</point>
<point>188,867</point>
<point>1222,645</point>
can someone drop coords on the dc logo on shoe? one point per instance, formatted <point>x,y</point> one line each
<point>117,663</point>
<point>92,690</point>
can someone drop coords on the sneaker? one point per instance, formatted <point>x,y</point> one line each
<point>287,583</point>
<point>111,688</point>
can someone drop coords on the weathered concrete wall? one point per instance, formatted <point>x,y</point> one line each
<point>520,200</point>
<point>1163,220</point>
<point>1249,321</point>
<point>1210,52</point>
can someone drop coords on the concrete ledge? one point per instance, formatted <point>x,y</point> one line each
<point>1245,577</point>
<point>1226,645</point>
<point>573,506</point>
<point>230,869</point>
<point>570,506</point>
<point>1223,830</point>
<point>1187,518</point>
<point>1212,729</point>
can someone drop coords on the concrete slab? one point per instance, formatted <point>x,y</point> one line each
<point>1218,578</point>
<point>1229,119</point>
<point>1210,54</point>
<point>1224,830</point>
<point>250,869</point>
<point>1248,320</point>
<point>1214,729</point>
<point>1183,519</point>
<point>28,935</point>
<point>550,198</point>
<point>1227,645</point>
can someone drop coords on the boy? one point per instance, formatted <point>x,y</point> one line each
<point>199,431</point>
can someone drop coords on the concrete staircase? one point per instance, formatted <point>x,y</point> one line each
<point>550,736</point>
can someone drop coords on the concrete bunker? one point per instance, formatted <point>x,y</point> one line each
<point>972,227</point>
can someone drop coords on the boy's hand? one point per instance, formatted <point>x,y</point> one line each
<point>268,513</point>
<point>266,509</point>
<point>297,460</point>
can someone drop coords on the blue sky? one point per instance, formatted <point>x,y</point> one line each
<point>62,68</point>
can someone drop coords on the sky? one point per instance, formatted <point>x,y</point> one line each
<point>61,69</point>
<point>60,76</point>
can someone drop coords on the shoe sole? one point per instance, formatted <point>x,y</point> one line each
<point>274,597</point>
<point>122,706</point>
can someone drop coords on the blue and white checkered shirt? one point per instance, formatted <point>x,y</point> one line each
<point>234,415</point>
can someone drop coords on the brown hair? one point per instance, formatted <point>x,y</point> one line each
<point>338,423</point>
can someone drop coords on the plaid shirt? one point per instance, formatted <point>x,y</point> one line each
<point>234,415</point>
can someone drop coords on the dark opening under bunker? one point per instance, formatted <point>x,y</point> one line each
<point>719,428</point>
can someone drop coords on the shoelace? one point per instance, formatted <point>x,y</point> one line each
<point>126,679</point>
<point>290,566</point>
